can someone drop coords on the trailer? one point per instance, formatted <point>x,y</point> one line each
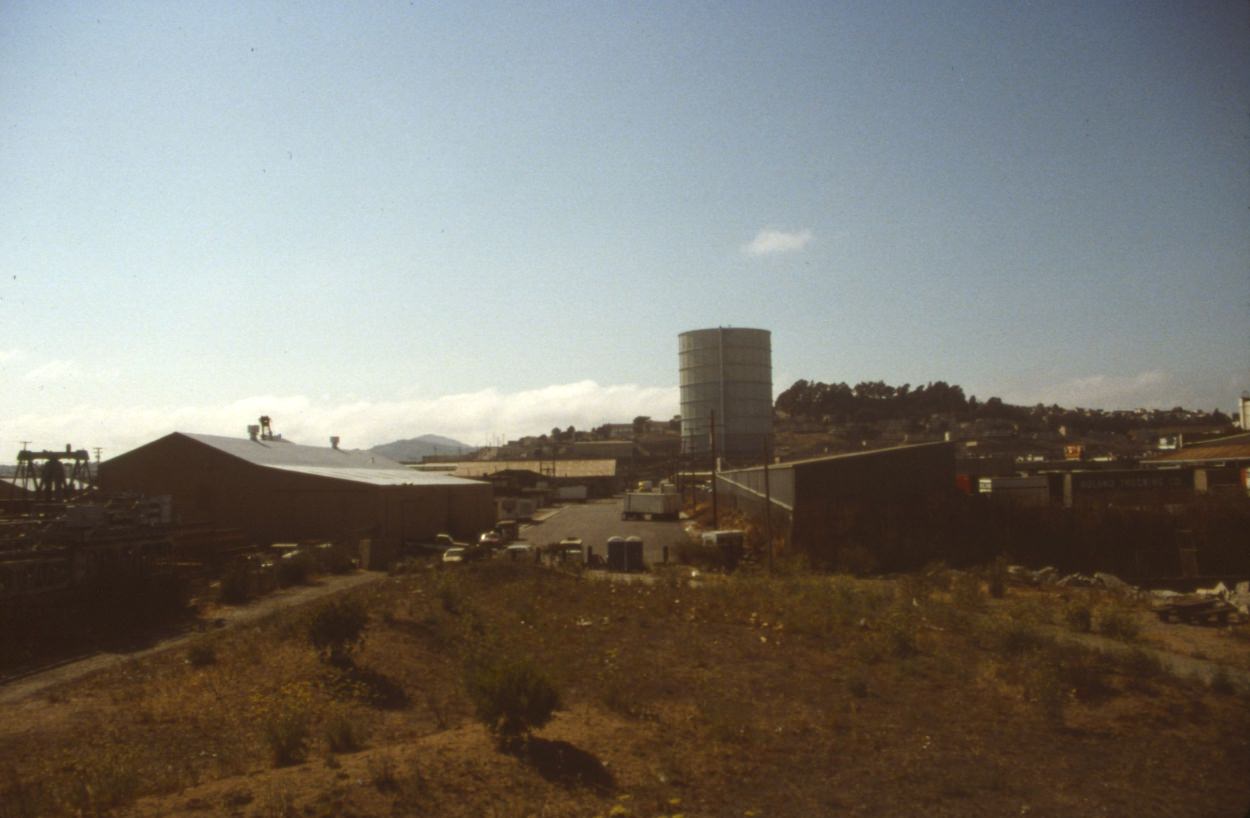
<point>515,508</point>
<point>651,505</point>
<point>572,494</point>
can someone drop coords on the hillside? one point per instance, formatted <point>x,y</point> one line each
<point>414,449</point>
<point>799,695</point>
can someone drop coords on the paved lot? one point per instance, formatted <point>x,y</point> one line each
<point>597,520</point>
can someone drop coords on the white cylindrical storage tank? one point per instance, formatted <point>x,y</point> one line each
<point>727,371</point>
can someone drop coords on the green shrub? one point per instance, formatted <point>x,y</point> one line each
<point>337,628</point>
<point>511,697</point>
<point>1118,623</point>
<point>1083,672</point>
<point>913,588</point>
<point>997,581</point>
<point>450,595</point>
<point>1015,638</point>
<point>1142,665</point>
<point>286,733</point>
<point>1222,683</point>
<point>342,734</point>
<point>899,636</point>
<point>1044,685</point>
<point>294,568</point>
<point>236,584</point>
<point>1078,618</point>
<point>332,559</point>
<point>201,654</point>
<point>966,591</point>
<point>383,774</point>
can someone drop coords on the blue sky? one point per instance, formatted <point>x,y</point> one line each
<point>483,220</point>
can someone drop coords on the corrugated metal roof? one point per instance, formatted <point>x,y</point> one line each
<point>337,464</point>
<point>1203,454</point>
<point>865,453</point>
<point>550,468</point>
<point>1238,439</point>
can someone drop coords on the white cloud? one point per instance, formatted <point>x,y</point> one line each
<point>474,418</point>
<point>1150,389</point>
<point>54,370</point>
<point>770,241</point>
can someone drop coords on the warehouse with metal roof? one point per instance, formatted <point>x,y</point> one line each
<point>278,491</point>
<point>818,505</point>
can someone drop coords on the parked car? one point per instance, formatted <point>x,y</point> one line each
<point>456,554</point>
<point>520,550</point>
<point>490,539</point>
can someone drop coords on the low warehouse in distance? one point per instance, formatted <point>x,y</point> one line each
<point>278,491</point>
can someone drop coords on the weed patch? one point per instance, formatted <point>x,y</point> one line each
<point>201,654</point>
<point>1078,617</point>
<point>1118,623</point>
<point>343,734</point>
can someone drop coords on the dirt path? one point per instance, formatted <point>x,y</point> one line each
<point>1178,664</point>
<point>36,681</point>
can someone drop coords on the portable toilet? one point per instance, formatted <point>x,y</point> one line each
<point>616,553</point>
<point>633,554</point>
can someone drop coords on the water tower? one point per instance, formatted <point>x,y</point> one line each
<point>729,372</point>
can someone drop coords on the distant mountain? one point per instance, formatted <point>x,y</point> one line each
<point>416,448</point>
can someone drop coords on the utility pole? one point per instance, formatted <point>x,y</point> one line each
<point>715,510</point>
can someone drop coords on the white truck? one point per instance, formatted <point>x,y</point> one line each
<point>572,494</point>
<point>514,508</point>
<point>651,505</point>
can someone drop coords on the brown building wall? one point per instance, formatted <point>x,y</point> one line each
<point>274,505</point>
<point>887,491</point>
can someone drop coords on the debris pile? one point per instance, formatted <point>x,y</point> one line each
<point>1218,604</point>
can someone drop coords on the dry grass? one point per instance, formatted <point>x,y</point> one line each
<point>793,695</point>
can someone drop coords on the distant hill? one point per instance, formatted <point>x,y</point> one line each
<point>417,448</point>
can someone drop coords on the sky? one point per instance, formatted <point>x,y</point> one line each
<point>483,220</point>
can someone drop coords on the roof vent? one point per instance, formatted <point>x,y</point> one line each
<point>334,441</point>
<point>253,431</point>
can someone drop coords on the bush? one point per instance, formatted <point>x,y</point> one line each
<point>337,628</point>
<point>236,584</point>
<point>343,735</point>
<point>1078,618</point>
<point>286,733</point>
<point>1118,623</point>
<point>1044,685</point>
<point>966,591</point>
<point>998,577</point>
<point>201,654</point>
<point>294,568</point>
<point>1222,683</point>
<point>1013,638</point>
<point>511,697</point>
<point>451,596</point>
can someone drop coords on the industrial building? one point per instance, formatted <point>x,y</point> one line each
<point>814,503</point>
<point>726,381</point>
<point>274,490</point>
<point>1219,465</point>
